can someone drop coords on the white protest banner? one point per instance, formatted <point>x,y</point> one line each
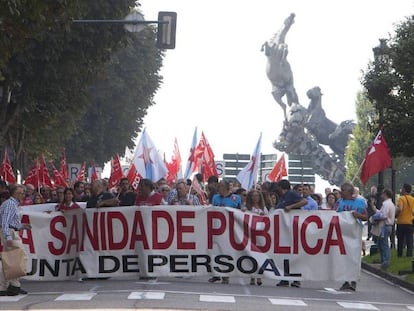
<point>183,240</point>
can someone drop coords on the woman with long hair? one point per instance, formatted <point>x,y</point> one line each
<point>68,201</point>
<point>255,203</point>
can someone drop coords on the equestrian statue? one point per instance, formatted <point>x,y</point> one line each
<point>278,68</point>
<point>305,130</point>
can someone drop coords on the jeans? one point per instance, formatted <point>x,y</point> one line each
<point>383,245</point>
<point>405,237</point>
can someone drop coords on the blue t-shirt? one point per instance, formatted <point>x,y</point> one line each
<point>289,198</point>
<point>232,200</point>
<point>311,205</point>
<point>356,204</point>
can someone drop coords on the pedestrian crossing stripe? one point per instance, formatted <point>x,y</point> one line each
<point>217,298</point>
<point>11,298</point>
<point>79,296</point>
<point>357,306</point>
<point>287,302</point>
<point>147,295</point>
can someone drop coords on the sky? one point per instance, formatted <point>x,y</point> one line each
<point>215,78</point>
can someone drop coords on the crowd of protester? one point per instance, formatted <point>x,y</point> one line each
<point>261,199</point>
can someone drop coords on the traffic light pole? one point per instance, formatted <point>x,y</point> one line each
<point>116,21</point>
<point>167,23</point>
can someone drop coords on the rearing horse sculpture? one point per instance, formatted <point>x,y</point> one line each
<point>278,68</point>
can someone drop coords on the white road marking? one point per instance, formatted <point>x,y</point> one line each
<point>152,283</point>
<point>11,298</point>
<point>355,305</point>
<point>287,302</point>
<point>410,308</point>
<point>146,295</point>
<point>217,298</point>
<point>79,296</point>
<point>334,291</point>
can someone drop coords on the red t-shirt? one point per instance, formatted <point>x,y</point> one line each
<point>63,207</point>
<point>155,198</point>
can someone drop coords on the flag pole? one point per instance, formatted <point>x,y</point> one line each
<point>359,170</point>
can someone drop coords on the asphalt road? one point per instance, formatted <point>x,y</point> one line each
<point>373,293</point>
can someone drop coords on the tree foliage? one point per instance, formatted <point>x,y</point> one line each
<point>49,67</point>
<point>389,85</point>
<point>119,99</point>
<point>361,137</point>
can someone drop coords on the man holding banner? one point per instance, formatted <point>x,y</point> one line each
<point>225,197</point>
<point>289,200</point>
<point>357,207</point>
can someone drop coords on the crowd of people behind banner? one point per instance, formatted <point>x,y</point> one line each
<point>378,210</point>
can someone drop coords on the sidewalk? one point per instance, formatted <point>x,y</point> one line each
<point>376,268</point>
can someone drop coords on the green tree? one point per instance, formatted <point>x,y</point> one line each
<point>361,137</point>
<point>389,84</point>
<point>47,64</point>
<point>119,99</point>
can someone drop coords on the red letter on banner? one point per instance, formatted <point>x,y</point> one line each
<point>263,233</point>
<point>29,240</point>
<point>74,235</point>
<point>141,236</point>
<point>92,234</point>
<point>243,244</point>
<point>309,250</point>
<point>334,225</point>
<point>58,235</point>
<point>123,231</point>
<point>184,229</point>
<point>279,249</point>
<point>169,230</point>
<point>211,231</point>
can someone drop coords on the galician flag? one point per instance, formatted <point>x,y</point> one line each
<point>248,175</point>
<point>192,161</point>
<point>147,160</point>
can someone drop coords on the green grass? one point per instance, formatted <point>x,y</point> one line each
<point>397,264</point>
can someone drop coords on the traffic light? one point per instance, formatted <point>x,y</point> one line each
<point>167,24</point>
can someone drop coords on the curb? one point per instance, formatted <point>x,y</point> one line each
<point>390,277</point>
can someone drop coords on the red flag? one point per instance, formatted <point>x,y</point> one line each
<point>133,176</point>
<point>116,172</point>
<point>202,195</point>
<point>58,179</point>
<point>81,173</point>
<point>44,177</point>
<point>63,167</point>
<point>94,175</point>
<point>6,171</point>
<point>33,175</point>
<point>175,164</point>
<point>279,170</point>
<point>205,158</point>
<point>209,163</point>
<point>377,158</point>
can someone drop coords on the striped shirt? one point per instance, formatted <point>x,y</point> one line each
<point>9,218</point>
